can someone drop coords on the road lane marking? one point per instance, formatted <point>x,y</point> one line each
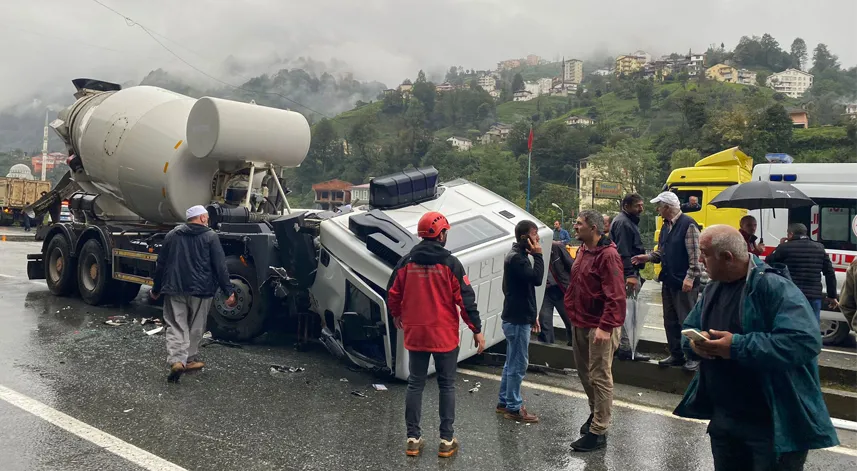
<point>6,276</point>
<point>655,304</point>
<point>118,447</point>
<point>626,405</point>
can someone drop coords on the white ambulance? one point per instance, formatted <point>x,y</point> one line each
<point>832,221</point>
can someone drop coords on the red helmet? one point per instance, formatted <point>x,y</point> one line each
<point>431,225</point>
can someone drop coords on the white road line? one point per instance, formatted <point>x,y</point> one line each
<point>653,327</point>
<point>626,405</point>
<point>6,276</point>
<point>114,445</point>
<point>655,304</point>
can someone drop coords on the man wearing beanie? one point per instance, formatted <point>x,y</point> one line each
<point>191,267</point>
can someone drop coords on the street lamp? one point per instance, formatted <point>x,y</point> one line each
<point>561,214</point>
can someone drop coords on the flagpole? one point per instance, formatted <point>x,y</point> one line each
<point>529,165</point>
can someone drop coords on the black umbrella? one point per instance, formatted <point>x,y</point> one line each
<point>761,195</point>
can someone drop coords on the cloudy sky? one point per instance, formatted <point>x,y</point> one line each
<point>46,43</point>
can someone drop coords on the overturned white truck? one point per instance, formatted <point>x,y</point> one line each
<point>142,155</point>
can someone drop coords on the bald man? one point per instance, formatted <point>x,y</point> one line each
<point>758,379</point>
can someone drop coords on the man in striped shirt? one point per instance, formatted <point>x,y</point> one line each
<point>678,254</point>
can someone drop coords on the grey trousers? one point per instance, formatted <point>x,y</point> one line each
<point>185,317</point>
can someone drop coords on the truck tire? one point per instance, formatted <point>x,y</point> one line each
<point>60,267</point>
<point>834,332</point>
<point>124,292</point>
<point>247,320</point>
<point>93,274</point>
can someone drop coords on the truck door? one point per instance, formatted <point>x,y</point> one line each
<point>364,324</point>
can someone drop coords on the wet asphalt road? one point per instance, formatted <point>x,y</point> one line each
<point>236,414</point>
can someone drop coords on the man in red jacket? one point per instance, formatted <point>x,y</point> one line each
<point>595,302</point>
<point>427,293</point>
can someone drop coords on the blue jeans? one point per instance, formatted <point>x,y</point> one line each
<point>517,359</point>
<point>816,308</point>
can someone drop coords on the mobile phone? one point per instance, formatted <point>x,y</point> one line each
<point>694,335</point>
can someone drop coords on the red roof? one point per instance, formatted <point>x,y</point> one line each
<point>334,184</point>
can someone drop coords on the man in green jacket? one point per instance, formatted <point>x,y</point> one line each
<point>758,383</point>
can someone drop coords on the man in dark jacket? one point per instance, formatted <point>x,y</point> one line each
<point>625,233</point>
<point>758,384</point>
<point>678,254</point>
<point>520,316</point>
<point>806,260</point>
<point>191,266</point>
<point>559,269</point>
<point>427,292</point>
<point>596,305</point>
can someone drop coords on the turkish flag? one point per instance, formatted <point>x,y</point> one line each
<point>530,141</point>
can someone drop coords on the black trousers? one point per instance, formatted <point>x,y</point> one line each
<point>554,298</point>
<point>677,305</point>
<point>736,454</point>
<point>446,365</point>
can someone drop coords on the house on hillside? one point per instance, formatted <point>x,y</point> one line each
<point>487,83</point>
<point>406,86</point>
<point>572,71</point>
<point>799,117</point>
<point>460,143</point>
<point>602,72</point>
<point>545,85</point>
<point>497,134</point>
<point>561,88</point>
<point>332,194</point>
<point>790,82</point>
<point>522,95</point>
<point>746,77</point>
<point>579,121</point>
<point>722,73</point>
<point>851,110</point>
<point>533,87</point>
<point>533,59</point>
<point>360,194</point>
<point>695,64</point>
<point>628,64</point>
<point>495,94</point>
<point>444,87</point>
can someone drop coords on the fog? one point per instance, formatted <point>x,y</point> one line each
<point>46,43</point>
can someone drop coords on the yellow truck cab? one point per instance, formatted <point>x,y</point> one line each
<point>704,181</point>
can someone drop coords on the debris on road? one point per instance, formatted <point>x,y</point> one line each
<point>358,394</point>
<point>379,387</point>
<point>207,335</point>
<point>343,380</point>
<point>225,343</point>
<point>475,389</point>
<point>286,369</point>
<point>116,321</point>
<point>154,331</point>
<point>127,410</point>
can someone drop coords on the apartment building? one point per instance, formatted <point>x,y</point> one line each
<point>790,82</point>
<point>628,64</point>
<point>487,83</point>
<point>746,77</point>
<point>572,71</point>
<point>722,73</point>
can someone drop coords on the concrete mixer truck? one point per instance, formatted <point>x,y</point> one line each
<point>142,155</point>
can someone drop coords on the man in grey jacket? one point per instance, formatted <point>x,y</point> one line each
<point>191,267</point>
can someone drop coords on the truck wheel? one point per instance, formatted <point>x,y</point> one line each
<point>93,274</point>
<point>124,291</point>
<point>834,332</point>
<point>60,269</point>
<point>247,319</point>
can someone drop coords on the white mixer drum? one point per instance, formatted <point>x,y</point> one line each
<point>228,131</point>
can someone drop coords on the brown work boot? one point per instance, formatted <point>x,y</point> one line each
<point>194,365</point>
<point>176,371</point>
<point>521,416</point>
<point>415,446</point>
<point>447,448</point>
<point>501,409</point>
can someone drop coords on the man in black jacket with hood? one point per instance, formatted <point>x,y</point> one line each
<point>625,233</point>
<point>806,260</point>
<point>191,266</point>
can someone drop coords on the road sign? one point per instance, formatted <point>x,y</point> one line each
<point>606,190</point>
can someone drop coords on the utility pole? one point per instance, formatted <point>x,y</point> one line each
<point>45,148</point>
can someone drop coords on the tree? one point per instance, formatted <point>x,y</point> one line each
<point>424,92</point>
<point>684,158</point>
<point>775,129</point>
<point>823,59</point>
<point>683,77</point>
<point>799,52</point>
<point>499,172</point>
<point>762,79</point>
<point>517,83</point>
<point>645,91</point>
<point>421,77</point>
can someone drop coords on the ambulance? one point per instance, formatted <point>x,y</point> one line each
<point>832,221</point>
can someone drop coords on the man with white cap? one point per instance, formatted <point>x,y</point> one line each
<point>191,267</point>
<point>678,254</point>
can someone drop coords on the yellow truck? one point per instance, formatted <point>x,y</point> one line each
<point>703,182</point>
<point>16,194</point>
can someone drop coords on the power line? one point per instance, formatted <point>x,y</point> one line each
<point>131,23</point>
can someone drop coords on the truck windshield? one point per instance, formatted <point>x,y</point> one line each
<point>830,222</point>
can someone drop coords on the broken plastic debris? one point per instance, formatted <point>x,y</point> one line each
<point>343,380</point>
<point>476,388</point>
<point>358,394</point>
<point>466,380</point>
<point>155,331</point>
<point>640,394</point>
<point>286,369</point>
<point>127,410</point>
<point>114,323</point>
<point>379,387</point>
<point>206,335</point>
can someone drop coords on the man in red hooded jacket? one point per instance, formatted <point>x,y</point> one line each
<point>427,293</point>
<point>595,302</point>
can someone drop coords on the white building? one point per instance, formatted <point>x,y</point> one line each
<point>533,87</point>
<point>360,194</point>
<point>522,95</point>
<point>746,77</point>
<point>572,71</point>
<point>579,121</point>
<point>645,55</point>
<point>545,85</point>
<point>790,82</point>
<point>563,88</point>
<point>487,83</point>
<point>851,109</point>
<point>603,72</point>
<point>460,143</point>
<point>494,94</point>
<point>697,64</point>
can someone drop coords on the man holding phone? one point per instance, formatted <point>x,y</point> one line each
<point>595,301</point>
<point>427,293</point>
<point>758,383</point>
<point>520,317</point>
